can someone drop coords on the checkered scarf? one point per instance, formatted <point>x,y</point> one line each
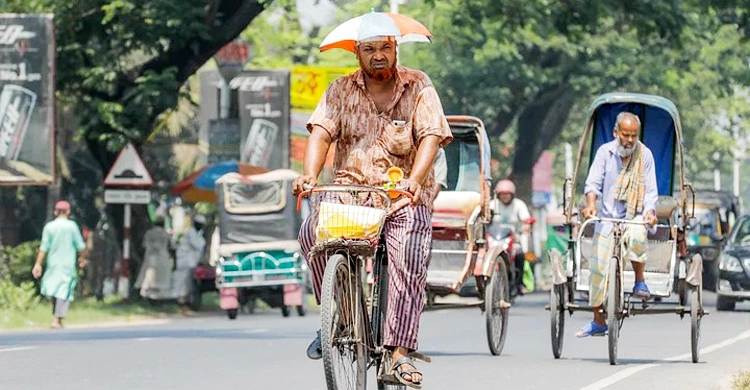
<point>631,183</point>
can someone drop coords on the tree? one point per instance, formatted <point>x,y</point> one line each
<point>121,63</point>
<point>523,65</point>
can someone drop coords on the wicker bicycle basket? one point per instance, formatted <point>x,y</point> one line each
<point>348,213</point>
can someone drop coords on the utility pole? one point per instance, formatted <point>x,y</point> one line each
<point>717,173</point>
<point>394,6</point>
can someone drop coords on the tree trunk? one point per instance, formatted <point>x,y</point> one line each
<point>538,125</point>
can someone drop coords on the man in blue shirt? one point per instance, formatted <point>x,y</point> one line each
<point>623,178</point>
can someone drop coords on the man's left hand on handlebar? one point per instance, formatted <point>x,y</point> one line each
<point>299,183</point>
<point>413,187</point>
<point>650,218</point>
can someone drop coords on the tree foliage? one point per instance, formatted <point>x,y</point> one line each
<point>524,65</point>
<point>121,63</point>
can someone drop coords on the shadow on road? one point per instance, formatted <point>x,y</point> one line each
<point>130,334</point>
<point>632,362</point>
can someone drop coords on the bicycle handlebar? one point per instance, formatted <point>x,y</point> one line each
<point>401,190</point>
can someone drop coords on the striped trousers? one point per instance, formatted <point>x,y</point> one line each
<point>408,234</point>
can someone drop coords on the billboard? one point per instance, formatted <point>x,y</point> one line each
<point>223,137</point>
<point>27,101</point>
<point>264,117</point>
<point>308,85</point>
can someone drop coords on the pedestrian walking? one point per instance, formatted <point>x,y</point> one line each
<point>62,243</point>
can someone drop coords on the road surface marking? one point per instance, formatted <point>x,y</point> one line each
<point>250,331</point>
<point>144,339</point>
<point>621,375</point>
<point>15,349</point>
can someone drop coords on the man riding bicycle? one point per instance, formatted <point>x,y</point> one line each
<point>623,177</point>
<point>380,116</point>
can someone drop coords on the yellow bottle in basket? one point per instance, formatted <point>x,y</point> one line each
<point>394,175</point>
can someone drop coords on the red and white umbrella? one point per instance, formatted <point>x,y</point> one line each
<point>374,24</point>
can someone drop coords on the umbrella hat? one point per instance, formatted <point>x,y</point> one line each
<point>375,24</point>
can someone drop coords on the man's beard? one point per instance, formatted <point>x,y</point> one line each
<point>380,74</point>
<point>625,152</point>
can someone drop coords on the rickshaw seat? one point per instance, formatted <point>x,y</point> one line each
<point>453,208</point>
<point>666,206</point>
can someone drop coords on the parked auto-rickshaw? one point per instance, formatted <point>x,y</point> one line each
<point>715,213</point>
<point>259,255</point>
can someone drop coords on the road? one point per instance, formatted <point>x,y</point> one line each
<point>266,351</point>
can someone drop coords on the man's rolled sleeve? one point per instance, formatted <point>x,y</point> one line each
<point>429,119</point>
<point>326,115</point>
<point>595,179</point>
<point>652,191</point>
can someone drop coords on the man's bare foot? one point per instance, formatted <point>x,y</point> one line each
<point>56,324</point>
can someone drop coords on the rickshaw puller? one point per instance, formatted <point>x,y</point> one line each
<point>623,177</point>
<point>380,116</point>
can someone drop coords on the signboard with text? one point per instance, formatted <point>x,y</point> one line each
<point>127,196</point>
<point>27,101</point>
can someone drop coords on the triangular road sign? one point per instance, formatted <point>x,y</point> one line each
<point>128,170</point>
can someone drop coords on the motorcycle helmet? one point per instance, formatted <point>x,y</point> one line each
<point>505,186</point>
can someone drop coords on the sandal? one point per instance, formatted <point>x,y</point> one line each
<point>399,373</point>
<point>641,290</point>
<point>592,329</point>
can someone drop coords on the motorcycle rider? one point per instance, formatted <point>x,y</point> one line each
<point>509,210</point>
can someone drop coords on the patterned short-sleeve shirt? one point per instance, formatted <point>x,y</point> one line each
<point>368,142</point>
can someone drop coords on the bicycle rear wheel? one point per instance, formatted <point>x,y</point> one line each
<point>342,333</point>
<point>497,294</point>
<point>614,308</point>
<point>696,312</point>
<point>557,298</point>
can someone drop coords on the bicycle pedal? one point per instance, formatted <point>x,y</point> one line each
<point>419,356</point>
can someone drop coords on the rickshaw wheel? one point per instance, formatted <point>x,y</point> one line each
<point>302,309</point>
<point>196,297</point>
<point>232,314</point>
<point>495,296</point>
<point>696,312</point>
<point>614,308</point>
<point>557,317</point>
<point>344,359</point>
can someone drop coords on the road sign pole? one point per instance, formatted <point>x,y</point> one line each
<point>124,282</point>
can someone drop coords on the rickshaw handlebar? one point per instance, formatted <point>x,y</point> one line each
<point>611,220</point>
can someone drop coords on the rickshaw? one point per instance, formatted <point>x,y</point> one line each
<point>259,255</point>
<point>661,132</point>
<point>467,258</point>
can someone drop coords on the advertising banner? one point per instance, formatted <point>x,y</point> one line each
<point>223,139</point>
<point>308,85</point>
<point>27,103</point>
<point>264,117</point>
<point>541,179</point>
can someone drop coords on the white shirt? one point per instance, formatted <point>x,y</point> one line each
<point>515,213</point>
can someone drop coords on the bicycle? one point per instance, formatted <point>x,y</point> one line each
<point>349,228</point>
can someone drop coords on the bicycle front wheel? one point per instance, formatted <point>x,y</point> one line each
<point>342,333</point>
<point>496,298</point>
<point>614,307</point>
